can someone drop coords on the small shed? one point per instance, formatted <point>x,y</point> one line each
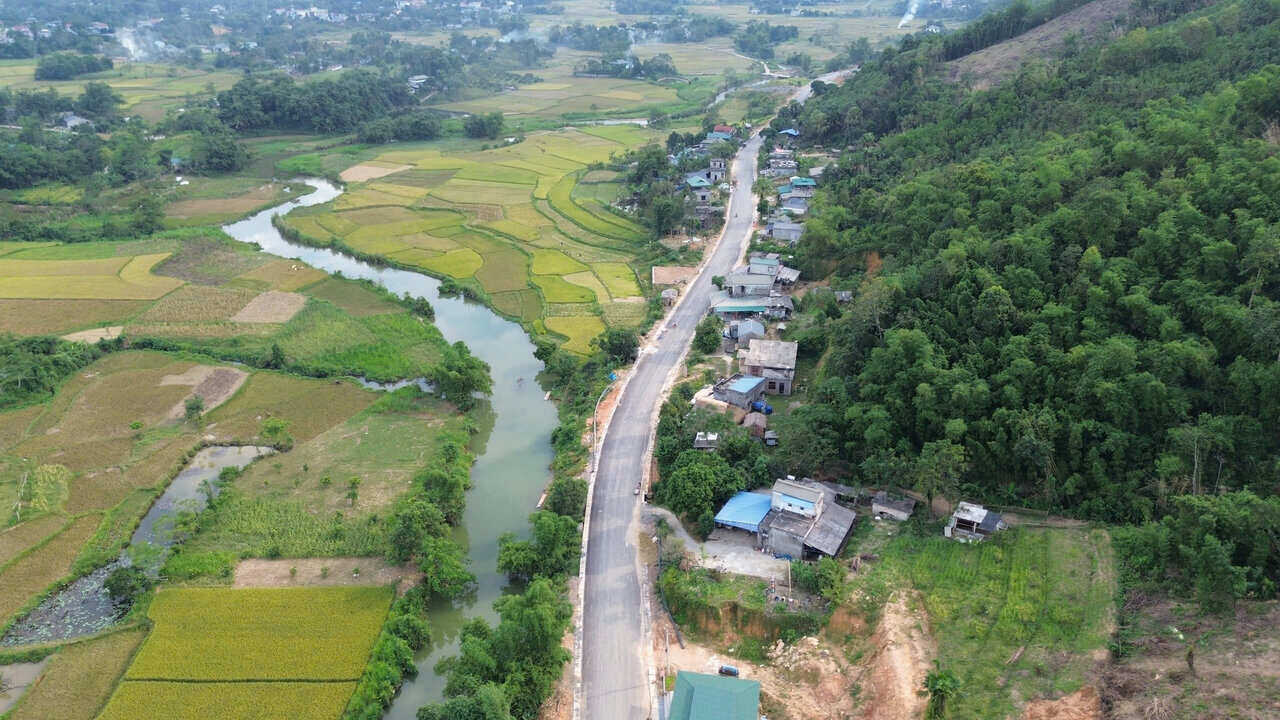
<point>744,511</point>
<point>706,441</point>
<point>669,296</point>
<point>756,423</point>
<point>898,508</point>
<point>972,523</point>
<point>771,438</point>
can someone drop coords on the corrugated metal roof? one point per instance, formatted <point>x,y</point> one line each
<point>714,697</point>
<point>745,511</point>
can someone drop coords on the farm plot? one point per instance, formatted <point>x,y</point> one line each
<point>252,652</point>
<point>100,279</point>
<point>224,634</point>
<point>515,221</point>
<point>80,678</point>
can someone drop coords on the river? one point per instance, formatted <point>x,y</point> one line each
<point>512,470</point>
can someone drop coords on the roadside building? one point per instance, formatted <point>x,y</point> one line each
<point>898,508</point>
<point>763,264</point>
<point>787,276</point>
<point>773,360</point>
<point>714,697</point>
<point>718,169</point>
<point>784,231</point>
<point>972,523</point>
<point>775,306</point>
<point>795,205</point>
<point>742,332</point>
<point>744,511</point>
<point>744,284</point>
<point>725,129</point>
<point>739,390</point>
<point>669,296</point>
<point>804,520</point>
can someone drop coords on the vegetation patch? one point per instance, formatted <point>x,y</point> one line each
<point>554,262</point>
<point>25,577</point>
<point>580,331</point>
<point>461,263</point>
<point>619,278</point>
<point>238,699</point>
<point>556,290</point>
<point>55,317</point>
<point>87,279</point>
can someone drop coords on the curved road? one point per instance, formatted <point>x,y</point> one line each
<point>614,676</point>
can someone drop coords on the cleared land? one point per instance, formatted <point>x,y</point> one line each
<point>989,66</point>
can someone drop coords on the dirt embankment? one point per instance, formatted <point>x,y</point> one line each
<point>903,651</point>
<point>300,572</point>
<point>987,67</point>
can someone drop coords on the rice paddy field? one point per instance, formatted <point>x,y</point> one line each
<point>200,291</point>
<point>257,652</point>
<point>148,89</point>
<point>526,223</point>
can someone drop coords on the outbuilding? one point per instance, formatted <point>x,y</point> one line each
<point>898,508</point>
<point>714,697</point>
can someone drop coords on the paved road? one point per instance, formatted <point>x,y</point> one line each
<point>614,676</point>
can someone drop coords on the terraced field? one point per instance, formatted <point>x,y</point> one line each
<point>526,223</point>
<point>148,89</point>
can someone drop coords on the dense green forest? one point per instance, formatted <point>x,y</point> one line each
<point>1077,308</point>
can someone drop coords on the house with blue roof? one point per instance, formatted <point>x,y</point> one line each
<point>714,697</point>
<point>739,390</point>
<point>797,181</point>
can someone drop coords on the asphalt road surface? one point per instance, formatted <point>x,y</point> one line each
<point>615,679</point>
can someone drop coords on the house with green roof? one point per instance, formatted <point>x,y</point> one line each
<point>714,697</point>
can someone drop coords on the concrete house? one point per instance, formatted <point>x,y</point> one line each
<point>804,520</point>
<point>773,360</point>
<point>795,205</point>
<point>897,508</point>
<point>785,231</point>
<point>763,264</point>
<point>739,390</point>
<point>972,523</point>
<point>776,306</point>
<point>742,332</point>
<point>718,170</point>
<point>743,284</point>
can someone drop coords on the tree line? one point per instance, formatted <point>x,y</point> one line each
<point>65,66</point>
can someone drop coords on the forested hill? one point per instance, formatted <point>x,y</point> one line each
<point>1077,308</point>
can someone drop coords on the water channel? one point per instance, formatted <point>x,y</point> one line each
<point>84,607</point>
<point>510,473</point>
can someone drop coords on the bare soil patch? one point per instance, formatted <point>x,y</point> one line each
<point>214,384</point>
<point>673,274</point>
<point>1083,704</point>
<point>92,336</point>
<point>18,677</point>
<point>239,204</point>
<point>903,651</point>
<point>368,171</point>
<point>989,66</point>
<point>272,306</point>
<point>324,571</point>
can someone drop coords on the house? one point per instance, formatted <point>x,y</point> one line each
<point>714,697</point>
<point>972,523</point>
<point>773,360</point>
<point>739,390</point>
<point>795,205</point>
<point>726,129</point>
<point>775,306</point>
<point>743,284</point>
<point>714,137</point>
<point>799,191</point>
<point>844,296</point>
<point>898,508</point>
<point>787,276</point>
<point>706,441</point>
<point>797,182</point>
<point>785,231</point>
<point>763,264</point>
<point>669,296</point>
<point>742,332</point>
<point>804,520</point>
<point>70,120</point>
<point>698,180</point>
<point>718,169</point>
<point>756,424</point>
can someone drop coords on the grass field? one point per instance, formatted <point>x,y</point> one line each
<point>1016,617</point>
<point>80,678</point>
<point>29,574</point>
<point>259,652</point>
<point>516,221</point>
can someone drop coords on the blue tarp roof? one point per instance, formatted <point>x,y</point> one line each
<point>745,384</point>
<point>745,511</point>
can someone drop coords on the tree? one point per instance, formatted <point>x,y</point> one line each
<point>483,126</point>
<point>621,345</point>
<point>126,584</point>
<point>444,568</point>
<point>937,471</point>
<point>99,101</point>
<point>218,152</point>
<point>194,407</point>
<point>706,338</point>
<point>942,685</point>
<point>666,213</point>
<point>409,525</point>
<point>552,552</point>
<point>459,376</point>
